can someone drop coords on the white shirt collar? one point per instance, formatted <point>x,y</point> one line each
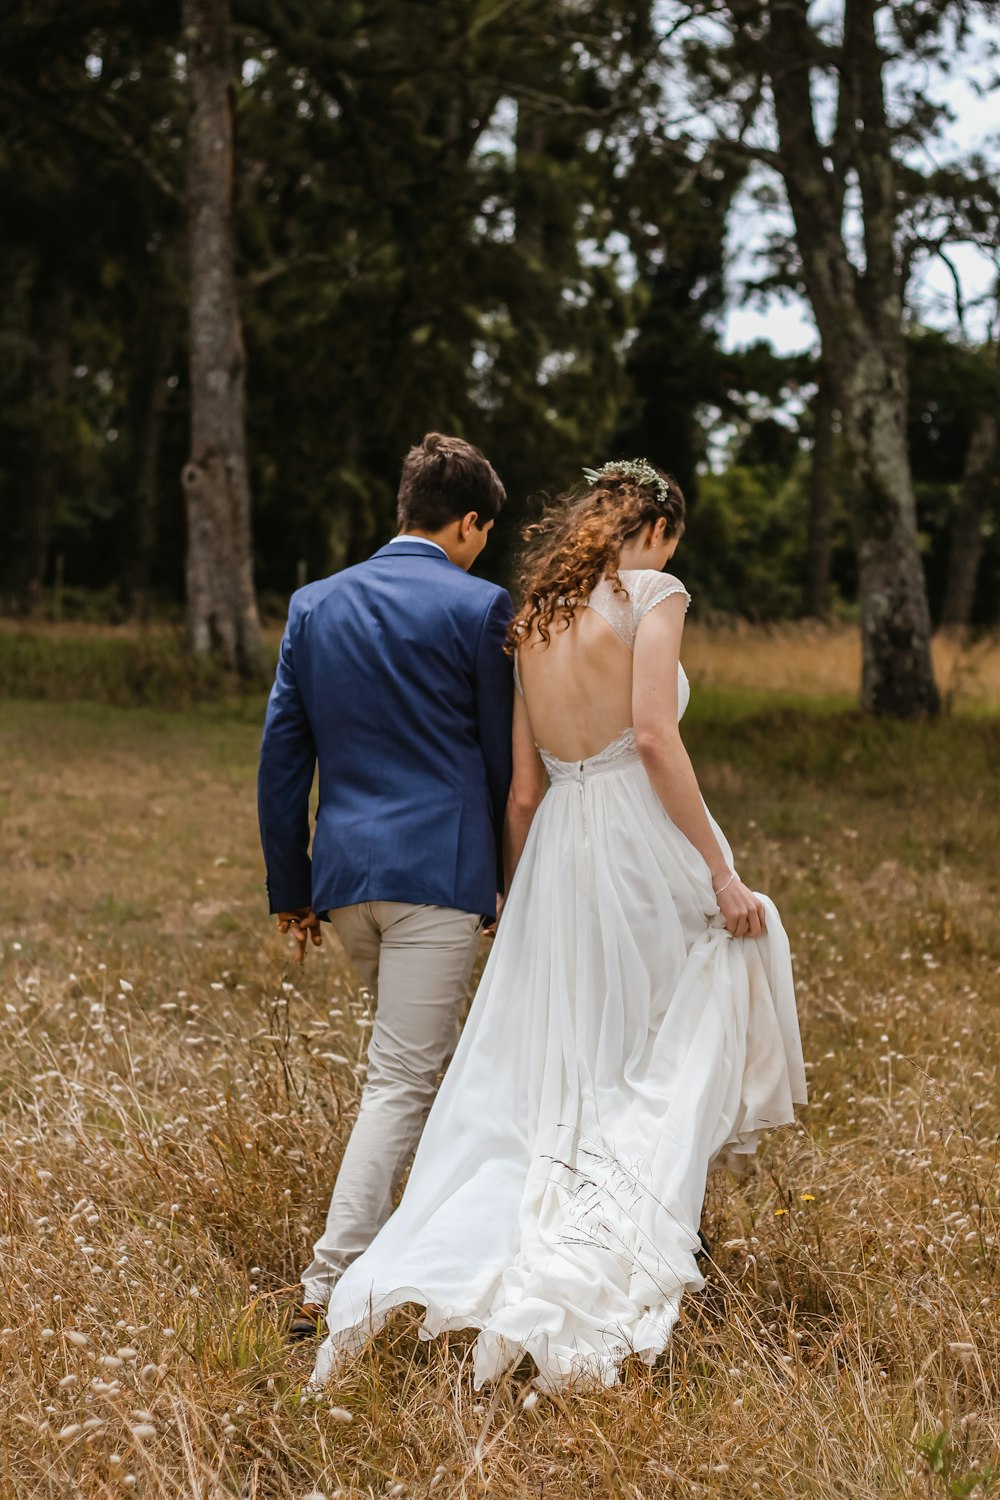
<point>424,539</point>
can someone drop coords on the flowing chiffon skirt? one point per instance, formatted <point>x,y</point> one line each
<point>620,1044</point>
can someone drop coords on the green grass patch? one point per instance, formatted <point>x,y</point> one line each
<point>146,667</point>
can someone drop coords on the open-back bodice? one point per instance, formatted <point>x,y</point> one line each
<point>623,609</point>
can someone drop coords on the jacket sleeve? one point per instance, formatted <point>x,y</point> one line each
<point>494,711</point>
<point>284,781</point>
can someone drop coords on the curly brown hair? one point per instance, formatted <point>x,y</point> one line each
<point>569,550</point>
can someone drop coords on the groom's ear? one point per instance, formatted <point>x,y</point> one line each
<point>468,521</point>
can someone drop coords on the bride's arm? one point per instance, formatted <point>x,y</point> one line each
<point>527,788</point>
<point>668,765</point>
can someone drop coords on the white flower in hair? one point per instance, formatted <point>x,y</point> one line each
<point>639,469</point>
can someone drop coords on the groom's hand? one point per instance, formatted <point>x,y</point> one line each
<point>303,924</point>
<point>490,930</point>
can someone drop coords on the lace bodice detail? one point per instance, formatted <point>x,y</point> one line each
<point>644,589</point>
<point>623,612</point>
<point>618,753</point>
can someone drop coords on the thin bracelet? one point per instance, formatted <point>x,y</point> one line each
<point>723,887</point>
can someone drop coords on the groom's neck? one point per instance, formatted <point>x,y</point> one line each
<point>446,539</point>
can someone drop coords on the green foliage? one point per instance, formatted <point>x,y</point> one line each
<point>946,1463</point>
<point>745,540</point>
<point>454,215</point>
<point>951,386</point>
<point>90,116</point>
<point>675,366</point>
<point>429,178</point>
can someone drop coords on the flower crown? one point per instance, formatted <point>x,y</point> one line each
<point>639,469</point>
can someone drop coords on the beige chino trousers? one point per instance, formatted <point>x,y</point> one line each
<point>416,962</point>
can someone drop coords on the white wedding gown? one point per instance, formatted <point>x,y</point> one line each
<point>619,1044</point>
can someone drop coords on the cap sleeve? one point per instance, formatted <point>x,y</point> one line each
<point>651,590</point>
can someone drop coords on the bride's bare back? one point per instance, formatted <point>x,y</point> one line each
<point>578,687</point>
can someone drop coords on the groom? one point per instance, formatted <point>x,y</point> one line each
<point>392,677</point>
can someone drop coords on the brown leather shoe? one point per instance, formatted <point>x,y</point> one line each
<point>306,1323</point>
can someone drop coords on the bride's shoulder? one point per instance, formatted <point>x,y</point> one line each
<point>648,588</point>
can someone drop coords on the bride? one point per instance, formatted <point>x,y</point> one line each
<point>635,1024</point>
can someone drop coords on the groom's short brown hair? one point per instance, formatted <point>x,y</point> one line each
<point>443,479</point>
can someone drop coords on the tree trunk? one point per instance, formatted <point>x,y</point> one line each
<point>897,675</point>
<point>979,480</point>
<point>860,319</point>
<point>222,608</point>
<point>822,489</point>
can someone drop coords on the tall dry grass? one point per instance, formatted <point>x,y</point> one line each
<point>123,664</point>
<point>804,658</point>
<point>175,1095</point>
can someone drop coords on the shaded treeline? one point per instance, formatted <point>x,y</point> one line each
<point>462,216</point>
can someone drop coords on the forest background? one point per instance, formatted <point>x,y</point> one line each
<point>247,256</point>
<point>526,223</point>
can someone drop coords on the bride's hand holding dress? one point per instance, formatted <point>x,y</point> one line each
<point>655,660</point>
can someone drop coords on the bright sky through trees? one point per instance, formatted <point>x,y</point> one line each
<point>971,89</point>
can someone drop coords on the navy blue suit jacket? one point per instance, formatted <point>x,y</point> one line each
<point>393,678</point>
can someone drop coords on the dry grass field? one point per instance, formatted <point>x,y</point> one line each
<point>121,664</point>
<point>175,1093</point>
<point>812,659</point>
